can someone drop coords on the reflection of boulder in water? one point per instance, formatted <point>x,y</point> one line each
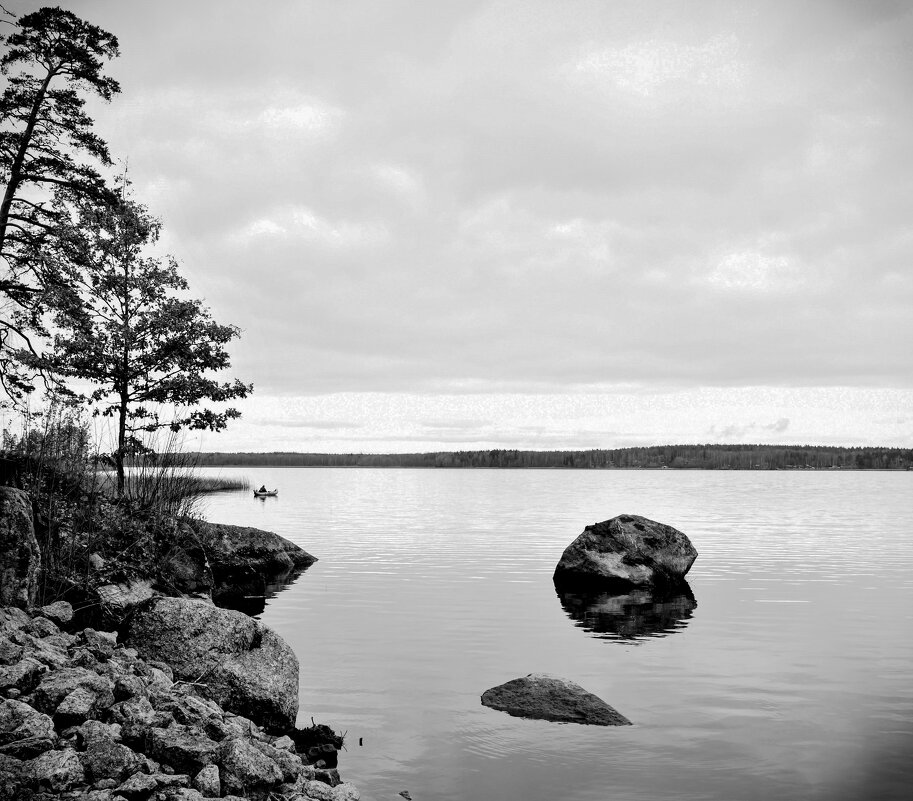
<point>632,615</point>
<point>250,593</point>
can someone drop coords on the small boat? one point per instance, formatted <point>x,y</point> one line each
<point>266,494</point>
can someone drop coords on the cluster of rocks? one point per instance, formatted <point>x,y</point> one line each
<point>620,554</point>
<point>84,716</point>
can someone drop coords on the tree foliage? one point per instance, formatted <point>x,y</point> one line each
<point>51,59</point>
<point>123,323</point>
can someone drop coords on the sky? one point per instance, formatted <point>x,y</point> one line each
<point>545,225</point>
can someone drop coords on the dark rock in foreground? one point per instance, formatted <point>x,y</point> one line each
<point>239,663</point>
<point>627,549</point>
<point>92,720</point>
<point>546,697</point>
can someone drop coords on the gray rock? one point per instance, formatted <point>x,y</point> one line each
<point>24,732</point>
<point>94,731</point>
<point>51,651</point>
<point>12,777</point>
<point>56,685</point>
<point>105,759</point>
<point>184,794</point>
<point>13,619</point>
<point>241,548</point>
<point>77,707</point>
<point>626,550</point>
<point>240,664</point>
<point>283,743</point>
<point>20,558</point>
<point>101,644</point>
<point>127,686</point>
<point>207,781</point>
<point>290,764</point>
<point>185,748</point>
<point>319,791</point>
<point>24,675</point>
<point>139,785</point>
<point>117,601</point>
<point>346,792</point>
<point>243,768</point>
<point>60,612</point>
<point>43,627</point>
<point>546,697</point>
<point>10,653</point>
<point>172,780</point>
<point>56,771</point>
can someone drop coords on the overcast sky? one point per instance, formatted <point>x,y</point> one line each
<point>535,224</point>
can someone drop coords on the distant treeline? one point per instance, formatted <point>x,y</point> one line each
<point>699,457</point>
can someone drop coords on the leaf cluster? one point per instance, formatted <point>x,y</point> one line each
<point>50,59</point>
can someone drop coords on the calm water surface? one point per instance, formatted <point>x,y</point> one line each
<point>786,672</point>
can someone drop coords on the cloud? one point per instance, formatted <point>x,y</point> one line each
<point>755,272</point>
<point>331,425</point>
<point>506,196</point>
<point>648,68</point>
<point>743,432</point>
<point>300,222</point>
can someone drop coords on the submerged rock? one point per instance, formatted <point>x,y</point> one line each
<point>237,662</point>
<point>546,697</point>
<point>627,549</point>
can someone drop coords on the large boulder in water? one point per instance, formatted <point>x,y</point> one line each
<point>546,697</point>
<point>20,558</point>
<point>238,551</point>
<point>236,661</point>
<point>626,550</point>
<point>246,562</point>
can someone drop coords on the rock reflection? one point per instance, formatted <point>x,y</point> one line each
<point>250,594</point>
<point>637,613</point>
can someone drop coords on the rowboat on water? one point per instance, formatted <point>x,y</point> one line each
<point>265,493</point>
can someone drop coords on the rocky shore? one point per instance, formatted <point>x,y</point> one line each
<point>168,697</point>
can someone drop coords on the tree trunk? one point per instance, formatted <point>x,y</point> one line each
<point>19,160</point>
<point>121,444</point>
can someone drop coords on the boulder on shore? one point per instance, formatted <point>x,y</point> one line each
<point>234,550</point>
<point>626,550</point>
<point>20,558</point>
<point>236,661</point>
<point>546,697</point>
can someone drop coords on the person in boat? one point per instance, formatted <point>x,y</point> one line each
<point>262,488</point>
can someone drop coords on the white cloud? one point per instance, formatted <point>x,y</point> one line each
<point>752,271</point>
<point>296,120</point>
<point>302,223</point>
<point>401,181</point>
<point>651,67</point>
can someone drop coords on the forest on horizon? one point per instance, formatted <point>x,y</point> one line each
<point>694,457</point>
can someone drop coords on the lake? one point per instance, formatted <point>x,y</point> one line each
<point>786,672</point>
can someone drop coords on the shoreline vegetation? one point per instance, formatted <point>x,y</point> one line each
<point>680,457</point>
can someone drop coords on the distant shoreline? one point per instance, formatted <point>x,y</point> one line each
<point>675,457</point>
